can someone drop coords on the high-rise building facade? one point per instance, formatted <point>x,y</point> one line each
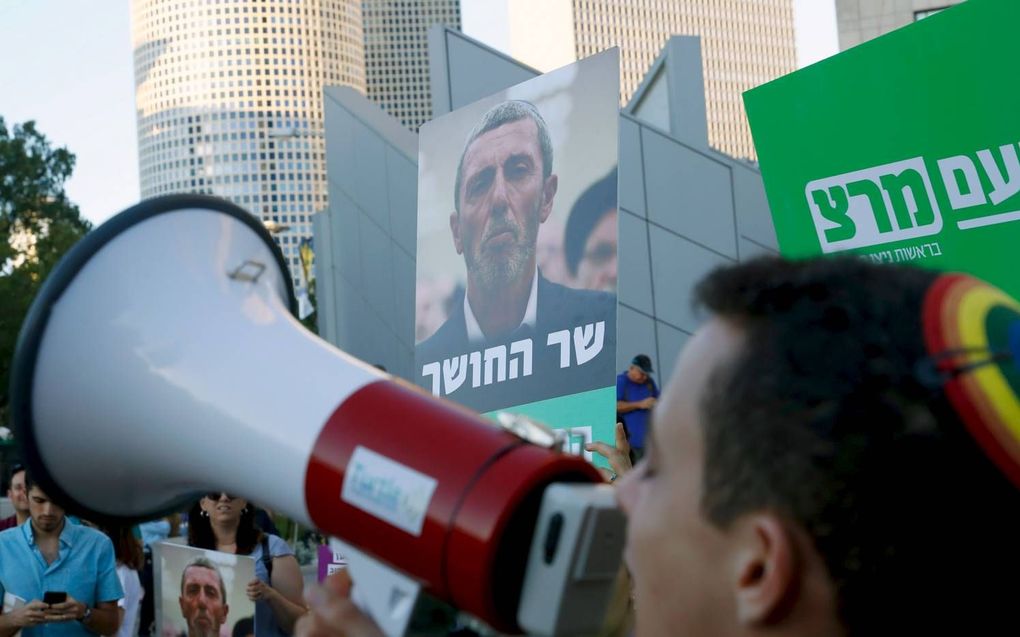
<point>229,101</point>
<point>861,20</point>
<point>396,54</point>
<point>744,43</point>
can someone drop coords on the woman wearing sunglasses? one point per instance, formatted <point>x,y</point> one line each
<point>224,522</point>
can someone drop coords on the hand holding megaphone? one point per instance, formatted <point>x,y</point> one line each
<point>165,338</point>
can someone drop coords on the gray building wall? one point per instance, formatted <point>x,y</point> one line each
<point>684,208</point>
<point>861,20</point>
<point>365,240</point>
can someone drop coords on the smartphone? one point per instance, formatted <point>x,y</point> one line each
<point>54,597</point>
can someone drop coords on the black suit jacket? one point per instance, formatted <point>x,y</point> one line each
<point>449,365</point>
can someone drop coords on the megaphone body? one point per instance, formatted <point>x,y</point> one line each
<point>161,360</point>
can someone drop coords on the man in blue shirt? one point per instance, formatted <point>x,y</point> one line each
<point>636,394</point>
<point>51,554</point>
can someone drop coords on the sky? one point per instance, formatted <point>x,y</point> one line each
<point>67,64</point>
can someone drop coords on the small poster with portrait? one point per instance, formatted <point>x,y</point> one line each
<point>201,593</point>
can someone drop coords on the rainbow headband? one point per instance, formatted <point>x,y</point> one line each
<point>972,332</point>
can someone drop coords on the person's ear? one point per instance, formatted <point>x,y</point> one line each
<point>226,611</point>
<point>767,569</point>
<point>548,194</point>
<point>455,230</point>
<point>180,600</point>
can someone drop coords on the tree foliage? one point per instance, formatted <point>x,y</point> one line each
<point>37,226</point>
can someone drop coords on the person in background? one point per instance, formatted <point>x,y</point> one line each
<point>636,393</point>
<point>224,522</point>
<point>245,627</point>
<point>590,239</point>
<point>19,499</point>
<point>153,531</point>
<point>48,553</point>
<point>127,550</point>
<point>157,530</point>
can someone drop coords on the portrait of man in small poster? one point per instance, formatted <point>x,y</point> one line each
<point>201,593</point>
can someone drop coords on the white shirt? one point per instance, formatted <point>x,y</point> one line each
<point>132,600</point>
<point>474,331</point>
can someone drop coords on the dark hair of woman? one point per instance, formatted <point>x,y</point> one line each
<point>244,627</point>
<point>126,547</point>
<point>200,533</point>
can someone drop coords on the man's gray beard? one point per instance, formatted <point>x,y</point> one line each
<point>494,275</point>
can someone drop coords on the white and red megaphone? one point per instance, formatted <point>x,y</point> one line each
<point>160,360</point>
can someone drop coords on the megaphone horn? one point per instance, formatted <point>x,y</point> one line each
<point>161,360</point>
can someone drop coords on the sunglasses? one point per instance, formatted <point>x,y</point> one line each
<point>215,495</point>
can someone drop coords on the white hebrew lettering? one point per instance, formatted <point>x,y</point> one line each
<point>476,369</point>
<point>588,341</point>
<point>432,369</point>
<point>1003,187</point>
<point>575,440</point>
<point>495,358</point>
<point>964,166</point>
<point>454,373</point>
<point>561,338</point>
<point>523,349</point>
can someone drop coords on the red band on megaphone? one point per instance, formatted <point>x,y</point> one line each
<point>478,517</point>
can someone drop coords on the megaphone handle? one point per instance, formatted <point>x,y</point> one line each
<point>386,595</point>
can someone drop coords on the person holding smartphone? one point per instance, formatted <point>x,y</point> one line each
<point>65,572</point>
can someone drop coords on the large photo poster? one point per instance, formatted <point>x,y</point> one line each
<point>516,255</point>
<point>201,593</point>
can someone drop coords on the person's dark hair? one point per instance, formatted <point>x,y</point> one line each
<point>30,481</point>
<point>823,420</point>
<point>244,627</point>
<point>593,204</point>
<point>127,549</point>
<point>200,533</point>
<point>499,115</point>
<point>15,468</point>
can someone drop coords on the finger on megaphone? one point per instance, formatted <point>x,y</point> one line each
<point>340,583</point>
<point>622,443</point>
<point>617,460</point>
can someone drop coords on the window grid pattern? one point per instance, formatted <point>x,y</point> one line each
<point>861,20</point>
<point>396,54</point>
<point>744,43</point>
<point>229,101</point>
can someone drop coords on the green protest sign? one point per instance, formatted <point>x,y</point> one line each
<point>903,149</point>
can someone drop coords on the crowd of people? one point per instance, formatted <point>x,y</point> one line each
<point>65,577</point>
